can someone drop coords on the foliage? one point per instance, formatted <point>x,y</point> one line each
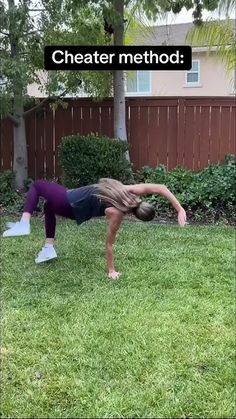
<point>209,193</point>
<point>23,36</point>
<point>219,35</point>
<point>85,159</point>
<point>213,186</point>
<point>22,39</point>
<point>151,8</point>
<point>178,179</point>
<point>80,28</point>
<point>9,198</point>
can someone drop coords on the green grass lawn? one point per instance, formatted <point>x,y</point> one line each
<point>157,343</point>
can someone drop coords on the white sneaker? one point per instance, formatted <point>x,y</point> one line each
<point>17,229</point>
<point>10,225</point>
<point>47,253</point>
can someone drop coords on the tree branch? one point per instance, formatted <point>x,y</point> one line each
<point>36,10</point>
<point>15,120</point>
<point>26,113</point>
<point>39,105</point>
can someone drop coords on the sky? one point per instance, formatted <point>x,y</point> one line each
<point>186,16</point>
<point>183,17</point>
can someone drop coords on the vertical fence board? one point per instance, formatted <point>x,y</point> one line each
<point>204,137</point>
<point>49,142</point>
<point>63,127</point>
<point>232,142</point>
<point>180,132</point>
<point>189,142</point>
<point>95,124</point>
<point>134,137</point>
<point>225,132</point>
<point>85,123</point>
<point>172,138</point>
<point>30,127</point>
<point>153,133</point>
<point>215,135</point>
<point>76,119</point>
<point>196,137</point>
<point>162,138</point>
<point>143,136</point>
<point>106,121</point>
<point>39,140</point>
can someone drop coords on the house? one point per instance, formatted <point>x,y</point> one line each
<point>207,76</point>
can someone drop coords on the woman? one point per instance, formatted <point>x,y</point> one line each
<point>108,198</point>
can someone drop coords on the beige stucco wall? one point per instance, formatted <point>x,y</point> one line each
<point>34,89</point>
<point>213,80</point>
<point>37,89</point>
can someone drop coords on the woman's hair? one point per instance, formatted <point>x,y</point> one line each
<point>113,192</point>
<point>144,211</point>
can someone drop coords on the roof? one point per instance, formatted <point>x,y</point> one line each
<point>173,34</point>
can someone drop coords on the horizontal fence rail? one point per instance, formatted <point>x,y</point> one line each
<point>188,131</point>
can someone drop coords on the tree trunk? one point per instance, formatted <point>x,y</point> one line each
<point>118,81</point>
<point>119,106</point>
<point>20,161</point>
<point>20,164</point>
<point>119,91</point>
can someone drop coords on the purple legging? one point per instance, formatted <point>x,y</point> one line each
<point>56,203</point>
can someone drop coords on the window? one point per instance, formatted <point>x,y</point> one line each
<point>138,82</point>
<point>193,75</point>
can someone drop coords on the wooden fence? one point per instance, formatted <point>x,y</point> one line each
<point>186,131</point>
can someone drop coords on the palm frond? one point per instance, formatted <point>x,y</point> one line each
<point>218,36</point>
<point>137,24</point>
<point>225,7</point>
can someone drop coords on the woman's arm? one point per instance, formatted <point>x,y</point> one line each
<point>115,217</point>
<point>152,188</point>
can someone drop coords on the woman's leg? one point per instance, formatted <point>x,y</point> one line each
<point>48,252</point>
<point>51,209</point>
<point>53,193</point>
<point>57,206</point>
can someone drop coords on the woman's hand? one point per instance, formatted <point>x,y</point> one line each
<point>113,274</point>
<point>182,217</point>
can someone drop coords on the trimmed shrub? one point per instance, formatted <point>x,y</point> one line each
<point>85,159</point>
